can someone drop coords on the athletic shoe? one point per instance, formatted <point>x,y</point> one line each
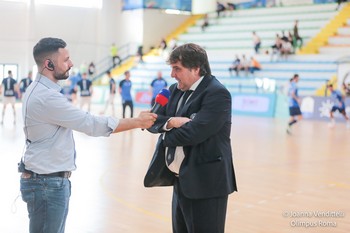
<point>289,130</point>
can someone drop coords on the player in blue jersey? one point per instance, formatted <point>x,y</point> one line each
<point>85,89</point>
<point>339,105</point>
<point>23,85</point>
<point>10,88</point>
<point>294,103</point>
<point>157,85</point>
<point>125,92</point>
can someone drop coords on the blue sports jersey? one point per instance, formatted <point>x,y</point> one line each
<point>293,89</point>
<point>84,86</point>
<point>24,84</point>
<point>9,86</point>
<point>158,85</point>
<point>337,96</point>
<point>125,85</point>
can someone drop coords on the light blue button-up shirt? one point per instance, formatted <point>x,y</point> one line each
<point>49,119</point>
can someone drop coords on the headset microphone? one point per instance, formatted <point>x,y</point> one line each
<point>50,65</point>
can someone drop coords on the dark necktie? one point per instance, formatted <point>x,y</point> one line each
<point>171,150</point>
<point>183,100</point>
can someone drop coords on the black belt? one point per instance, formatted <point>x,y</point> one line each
<point>29,174</point>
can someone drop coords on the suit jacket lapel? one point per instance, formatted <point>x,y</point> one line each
<point>206,80</point>
<point>173,100</point>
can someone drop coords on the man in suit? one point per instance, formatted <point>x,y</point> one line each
<point>193,152</point>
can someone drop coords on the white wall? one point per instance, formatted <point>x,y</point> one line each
<point>158,25</point>
<point>199,8</point>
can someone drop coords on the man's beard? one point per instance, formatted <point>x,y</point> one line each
<point>61,76</point>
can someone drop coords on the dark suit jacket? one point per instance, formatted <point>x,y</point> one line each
<point>207,170</point>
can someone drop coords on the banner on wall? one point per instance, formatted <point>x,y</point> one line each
<point>182,5</point>
<point>254,104</point>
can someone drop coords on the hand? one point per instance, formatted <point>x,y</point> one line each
<point>177,122</point>
<point>146,119</point>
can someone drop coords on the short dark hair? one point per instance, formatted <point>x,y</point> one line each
<point>191,56</point>
<point>46,47</point>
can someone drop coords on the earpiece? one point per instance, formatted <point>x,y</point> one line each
<point>50,65</point>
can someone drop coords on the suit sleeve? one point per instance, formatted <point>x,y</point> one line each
<point>214,112</point>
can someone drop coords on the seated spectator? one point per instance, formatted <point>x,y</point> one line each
<point>231,7</point>
<point>205,22</point>
<point>254,65</point>
<point>286,49</point>
<point>245,65</point>
<point>284,37</point>
<point>276,48</point>
<point>219,8</point>
<point>236,66</point>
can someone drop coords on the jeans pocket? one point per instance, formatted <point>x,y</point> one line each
<point>28,196</point>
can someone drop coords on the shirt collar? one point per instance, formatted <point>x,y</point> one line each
<point>47,82</point>
<point>196,84</point>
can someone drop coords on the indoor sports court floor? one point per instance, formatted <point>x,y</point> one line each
<point>287,183</point>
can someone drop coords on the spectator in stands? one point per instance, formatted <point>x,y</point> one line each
<point>231,7</point>
<point>114,55</point>
<point>245,65</point>
<point>339,106</point>
<point>286,49</point>
<point>339,4</point>
<point>254,65</point>
<point>284,37</point>
<point>163,45</point>
<point>298,40</point>
<point>205,22</point>
<point>276,48</point>
<point>236,66</point>
<point>219,8</point>
<point>256,42</point>
<point>291,41</point>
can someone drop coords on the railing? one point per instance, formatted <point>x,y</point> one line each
<point>124,52</point>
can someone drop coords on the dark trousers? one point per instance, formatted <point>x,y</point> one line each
<point>197,215</point>
<point>131,106</point>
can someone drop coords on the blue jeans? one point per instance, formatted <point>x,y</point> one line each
<point>47,201</point>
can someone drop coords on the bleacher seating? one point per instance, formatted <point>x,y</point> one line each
<point>340,43</point>
<point>231,35</point>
